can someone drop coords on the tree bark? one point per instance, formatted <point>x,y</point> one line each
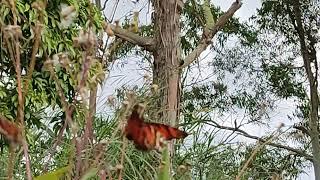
<point>309,58</point>
<point>167,57</point>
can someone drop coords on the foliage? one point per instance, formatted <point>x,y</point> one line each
<point>214,156</point>
<point>42,98</point>
<point>55,39</point>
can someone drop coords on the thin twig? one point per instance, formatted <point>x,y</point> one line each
<point>88,133</point>
<point>256,150</point>
<point>65,106</point>
<point>20,111</point>
<point>245,134</point>
<point>78,165</point>
<point>11,161</point>
<point>123,152</point>
<point>56,143</point>
<point>33,57</point>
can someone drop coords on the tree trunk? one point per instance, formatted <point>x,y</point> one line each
<point>167,57</point>
<point>309,57</point>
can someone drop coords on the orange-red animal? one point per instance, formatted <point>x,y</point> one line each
<point>10,130</point>
<point>148,136</point>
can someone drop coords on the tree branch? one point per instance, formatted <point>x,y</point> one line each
<point>145,42</point>
<point>245,134</point>
<point>209,33</point>
<point>252,156</point>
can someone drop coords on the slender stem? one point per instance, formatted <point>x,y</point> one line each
<point>252,156</point>
<point>123,149</point>
<point>20,111</point>
<point>11,161</point>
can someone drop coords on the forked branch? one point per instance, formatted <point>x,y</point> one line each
<point>210,32</point>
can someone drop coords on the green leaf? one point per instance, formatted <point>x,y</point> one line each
<point>27,7</point>
<point>207,14</point>
<point>2,94</point>
<point>91,173</point>
<point>54,175</point>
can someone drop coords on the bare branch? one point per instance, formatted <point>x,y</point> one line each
<point>209,33</point>
<point>20,109</point>
<point>245,134</point>
<point>35,48</point>
<point>252,156</point>
<point>145,42</point>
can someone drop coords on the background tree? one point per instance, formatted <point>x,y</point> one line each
<point>296,23</point>
<point>277,75</point>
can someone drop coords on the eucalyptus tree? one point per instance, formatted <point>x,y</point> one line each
<point>297,23</point>
<point>282,65</point>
